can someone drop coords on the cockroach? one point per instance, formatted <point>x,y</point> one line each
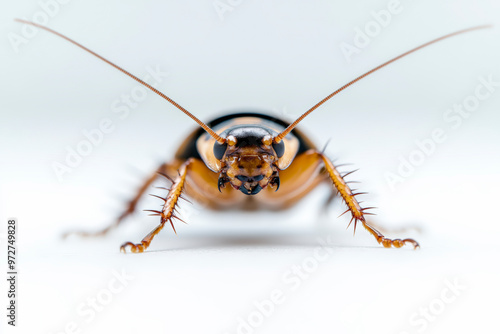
<point>248,160</point>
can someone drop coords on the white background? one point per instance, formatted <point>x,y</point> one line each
<point>276,56</point>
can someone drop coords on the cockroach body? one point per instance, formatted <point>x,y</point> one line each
<point>249,161</point>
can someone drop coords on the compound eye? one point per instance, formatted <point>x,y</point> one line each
<point>279,148</point>
<point>219,150</point>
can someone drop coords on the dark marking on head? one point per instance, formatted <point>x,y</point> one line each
<point>249,135</point>
<point>219,150</point>
<point>255,190</point>
<point>244,178</point>
<point>279,148</point>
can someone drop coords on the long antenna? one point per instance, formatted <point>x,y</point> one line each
<point>282,135</point>
<point>200,123</point>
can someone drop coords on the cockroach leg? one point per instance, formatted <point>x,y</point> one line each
<point>167,212</point>
<point>131,205</point>
<point>386,242</point>
<point>358,213</point>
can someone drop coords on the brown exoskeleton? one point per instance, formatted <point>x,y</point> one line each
<point>248,160</point>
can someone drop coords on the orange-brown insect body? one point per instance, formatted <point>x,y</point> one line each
<point>253,165</point>
<point>267,162</point>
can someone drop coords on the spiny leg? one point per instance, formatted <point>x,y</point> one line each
<point>358,213</point>
<point>131,205</point>
<point>167,212</point>
<point>333,195</point>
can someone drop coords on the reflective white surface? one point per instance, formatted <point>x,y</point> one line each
<point>283,57</point>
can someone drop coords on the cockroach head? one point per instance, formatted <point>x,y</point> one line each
<point>249,159</point>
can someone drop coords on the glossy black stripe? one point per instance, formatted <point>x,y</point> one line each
<point>191,151</point>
